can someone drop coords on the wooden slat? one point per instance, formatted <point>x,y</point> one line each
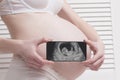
<point>97,13</point>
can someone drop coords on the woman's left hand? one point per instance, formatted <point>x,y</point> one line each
<point>97,60</point>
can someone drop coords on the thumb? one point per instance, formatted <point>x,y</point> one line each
<point>48,62</point>
<point>91,44</point>
<point>41,40</point>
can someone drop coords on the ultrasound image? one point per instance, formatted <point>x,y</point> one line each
<point>66,51</point>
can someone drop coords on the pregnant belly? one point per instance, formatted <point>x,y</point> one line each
<point>62,30</point>
<point>57,29</point>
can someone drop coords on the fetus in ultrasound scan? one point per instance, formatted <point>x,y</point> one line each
<point>67,51</point>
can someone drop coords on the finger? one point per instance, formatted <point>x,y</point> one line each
<point>91,44</point>
<point>97,64</point>
<point>37,58</point>
<point>32,66</point>
<point>48,62</point>
<point>96,68</point>
<point>42,40</point>
<point>93,59</point>
<point>42,61</point>
<point>88,56</point>
<point>33,62</point>
<point>88,53</point>
<point>45,40</point>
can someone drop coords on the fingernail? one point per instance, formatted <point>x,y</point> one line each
<point>84,40</point>
<point>49,40</point>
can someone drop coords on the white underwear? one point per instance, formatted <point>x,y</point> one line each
<point>25,6</point>
<point>19,71</point>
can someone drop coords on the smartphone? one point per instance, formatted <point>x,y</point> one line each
<point>66,51</point>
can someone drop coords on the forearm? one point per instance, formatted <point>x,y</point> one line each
<point>69,14</point>
<point>87,29</point>
<point>9,45</point>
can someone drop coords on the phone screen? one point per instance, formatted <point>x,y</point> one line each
<point>66,51</point>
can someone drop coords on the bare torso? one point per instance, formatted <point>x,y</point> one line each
<point>34,25</point>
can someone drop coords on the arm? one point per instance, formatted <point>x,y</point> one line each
<point>27,50</point>
<point>95,43</point>
<point>9,45</point>
<point>68,14</point>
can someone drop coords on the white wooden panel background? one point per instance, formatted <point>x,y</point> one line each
<point>116,35</point>
<point>98,14</point>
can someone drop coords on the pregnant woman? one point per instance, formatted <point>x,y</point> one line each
<point>31,24</point>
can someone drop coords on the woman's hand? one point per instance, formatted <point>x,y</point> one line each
<point>96,61</point>
<point>28,53</point>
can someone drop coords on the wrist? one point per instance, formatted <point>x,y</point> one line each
<point>12,45</point>
<point>101,44</point>
<point>17,46</point>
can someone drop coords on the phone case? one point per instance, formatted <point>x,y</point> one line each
<point>66,51</point>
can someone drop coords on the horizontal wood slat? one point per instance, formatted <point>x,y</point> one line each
<point>97,13</point>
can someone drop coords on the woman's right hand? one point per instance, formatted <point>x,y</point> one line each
<point>28,53</point>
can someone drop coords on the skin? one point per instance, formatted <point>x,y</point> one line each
<point>30,33</point>
<point>93,40</point>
